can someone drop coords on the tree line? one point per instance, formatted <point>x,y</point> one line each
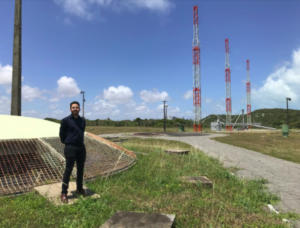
<point>266,117</point>
<point>138,122</point>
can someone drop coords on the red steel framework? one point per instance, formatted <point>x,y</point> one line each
<point>228,87</point>
<point>196,66</point>
<point>248,89</point>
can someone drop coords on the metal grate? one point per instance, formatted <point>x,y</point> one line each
<point>25,164</point>
<point>101,159</point>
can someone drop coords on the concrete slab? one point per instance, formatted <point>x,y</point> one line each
<point>53,191</point>
<point>176,151</point>
<point>203,180</point>
<point>125,219</point>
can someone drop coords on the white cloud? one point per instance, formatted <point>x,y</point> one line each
<point>28,93</point>
<point>102,105</point>
<point>159,5</point>
<point>142,109</point>
<point>171,111</point>
<point>118,95</point>
<point>284,82</point>
<point>188,94</point>
<point>67,87</point>
<point>103,109</point>
<point>53,106</point>
<point>149,96</point>
<point>5,74</point>
<point>83,8</point>
<point>102,2</point>
<point>117,103</point>
<point>31,93</point>
<point>76,7</point>
<point>54,99</point>
<point>160,107</point>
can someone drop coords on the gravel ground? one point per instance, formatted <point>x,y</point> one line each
<point>283,176</point>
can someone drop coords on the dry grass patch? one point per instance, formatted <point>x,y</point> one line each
<point>273,144</point>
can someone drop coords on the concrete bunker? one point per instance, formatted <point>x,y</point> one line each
<point>31,154</point>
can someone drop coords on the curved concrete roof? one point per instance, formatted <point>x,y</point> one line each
<point>20,127</point>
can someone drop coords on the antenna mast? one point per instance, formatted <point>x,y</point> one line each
<point>196,66</point>
<point>228,87</point>
<point>248,87</point>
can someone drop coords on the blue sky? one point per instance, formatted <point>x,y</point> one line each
<point>129,55</point>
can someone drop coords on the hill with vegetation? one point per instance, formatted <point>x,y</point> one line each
<point>266,117</point>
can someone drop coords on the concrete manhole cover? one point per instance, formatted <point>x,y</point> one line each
<point>125,219</point>
<point>176,151</point>
<point>203,180</point>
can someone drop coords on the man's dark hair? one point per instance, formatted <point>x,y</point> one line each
<point>74,102</point>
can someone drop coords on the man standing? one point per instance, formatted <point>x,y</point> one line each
<point>72,135</point>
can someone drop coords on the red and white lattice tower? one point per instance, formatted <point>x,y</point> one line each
<point>228,87</point>
<point>248,88</point>
<point>196,64</point>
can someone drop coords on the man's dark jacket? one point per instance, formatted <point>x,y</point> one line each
<point>72,131</point>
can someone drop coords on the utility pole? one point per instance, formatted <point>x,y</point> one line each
<point>165,114</point>
<point>16,97</point>
<point>287,109</point>
<point>83,100</point>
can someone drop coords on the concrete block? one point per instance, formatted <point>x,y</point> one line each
<point>53,191</point>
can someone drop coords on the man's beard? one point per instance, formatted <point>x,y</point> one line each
<point>75,113</point>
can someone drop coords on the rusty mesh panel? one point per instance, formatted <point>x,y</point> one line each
<point>25,164</point>
<point>101,159</point>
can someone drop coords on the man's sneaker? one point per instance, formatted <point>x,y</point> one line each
<point>81,192</point>
<point>64,198</point>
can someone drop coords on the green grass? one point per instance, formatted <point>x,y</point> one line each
<point>273,144</point>
<point>153,185</point>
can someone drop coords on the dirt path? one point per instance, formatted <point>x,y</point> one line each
<point>283,176</point>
